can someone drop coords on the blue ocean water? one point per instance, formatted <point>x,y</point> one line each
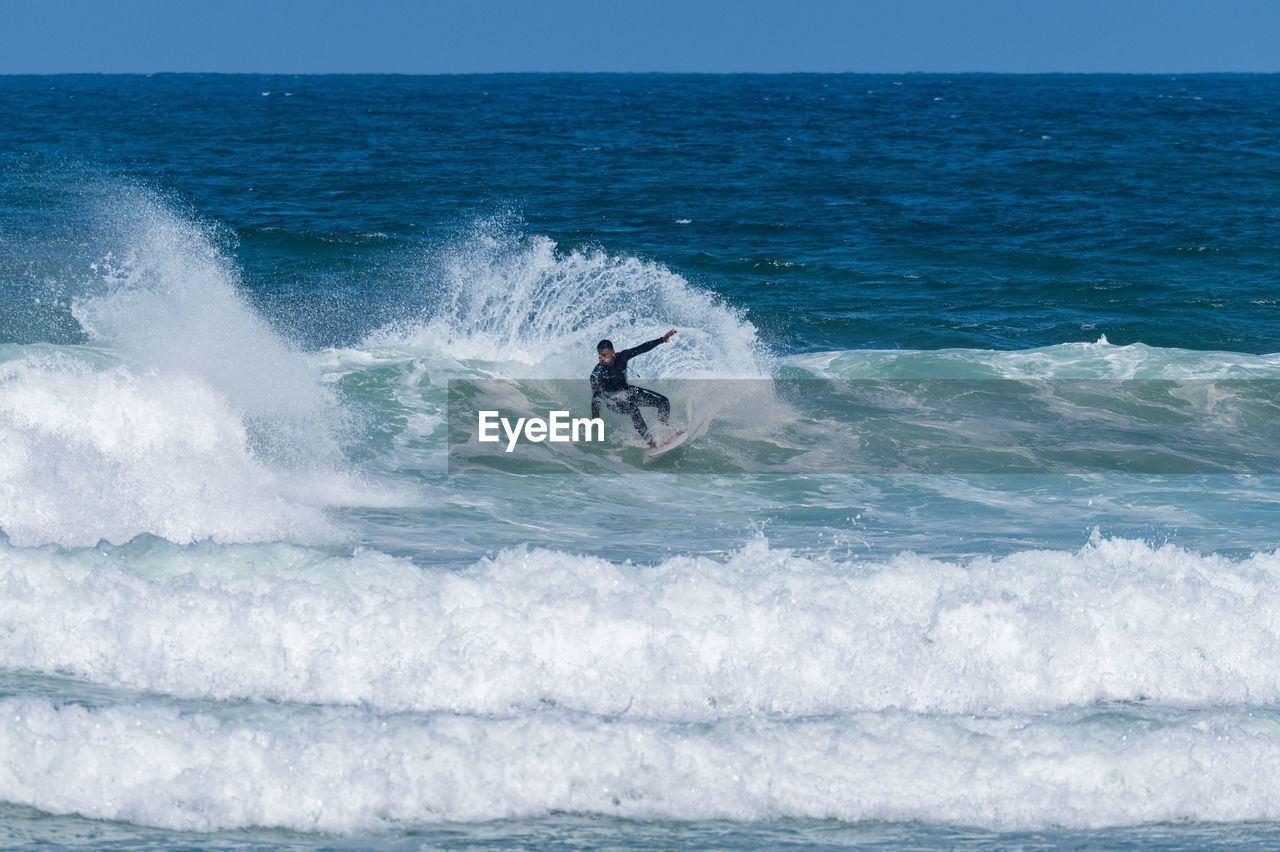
<point>248,604</point>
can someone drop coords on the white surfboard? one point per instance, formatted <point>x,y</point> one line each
<point>667,446</point>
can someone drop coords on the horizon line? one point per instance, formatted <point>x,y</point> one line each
<point>798,73</point>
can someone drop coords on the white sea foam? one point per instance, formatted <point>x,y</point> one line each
<point>335,770</point>
<point>168,301</point>
<point>88,453</point>
<point>514,300</point>
<point>1065,361</point>
<point>689,638</point>
<point>188,418</point>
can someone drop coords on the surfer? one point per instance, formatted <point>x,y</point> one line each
<point>609,385</point>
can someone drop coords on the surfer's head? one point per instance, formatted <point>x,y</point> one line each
<point>605,350</point>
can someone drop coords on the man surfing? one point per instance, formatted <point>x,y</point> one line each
<point>609,385</point>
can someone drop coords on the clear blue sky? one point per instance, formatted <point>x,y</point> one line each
<point>457,36</point>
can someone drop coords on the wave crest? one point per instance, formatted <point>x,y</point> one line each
<point>520,300</point>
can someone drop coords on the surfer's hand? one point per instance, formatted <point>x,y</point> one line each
<point>666,338</point>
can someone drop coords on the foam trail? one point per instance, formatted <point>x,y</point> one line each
<point>520,300</point>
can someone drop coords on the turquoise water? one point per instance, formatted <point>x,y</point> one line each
<point>897,590</point>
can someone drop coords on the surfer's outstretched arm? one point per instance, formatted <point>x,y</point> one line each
<point>628,354</point>
<point>645,347</point>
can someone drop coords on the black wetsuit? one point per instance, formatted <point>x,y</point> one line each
<point>609,385</point>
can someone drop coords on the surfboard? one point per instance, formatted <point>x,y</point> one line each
<point>667,446</point>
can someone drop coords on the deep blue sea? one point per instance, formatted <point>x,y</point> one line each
<point>1001,574</point>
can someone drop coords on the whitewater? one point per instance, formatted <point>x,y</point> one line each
<point>931,596</point>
